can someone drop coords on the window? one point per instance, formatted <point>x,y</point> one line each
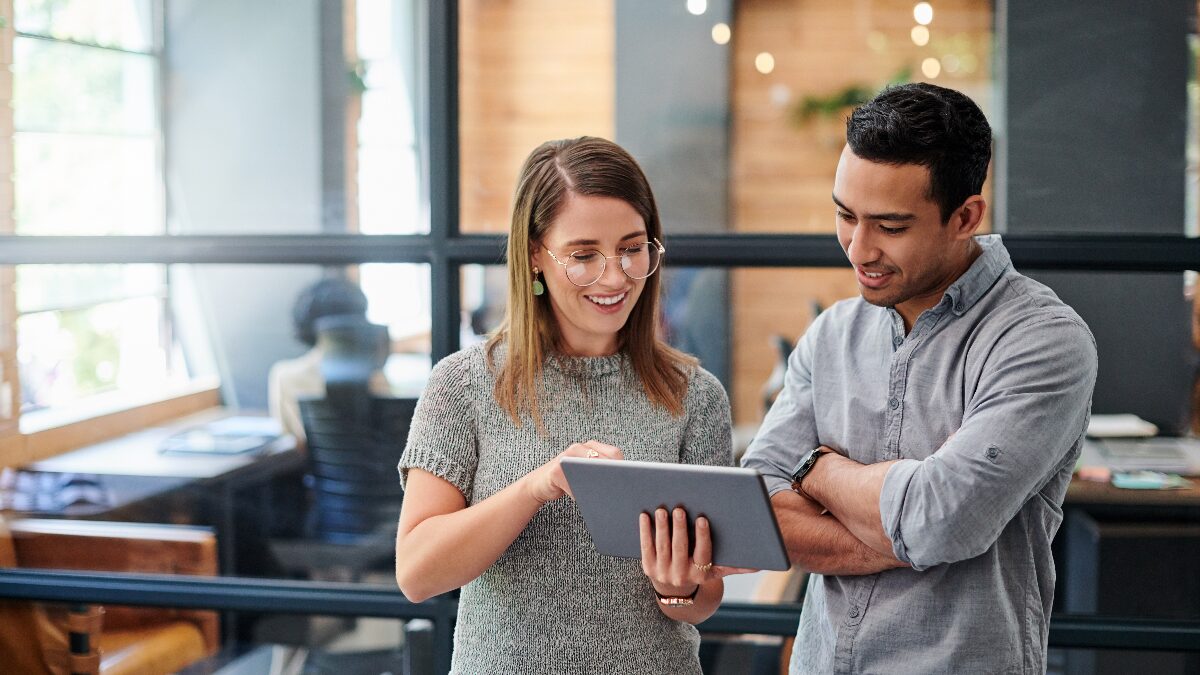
<point>87,161</point>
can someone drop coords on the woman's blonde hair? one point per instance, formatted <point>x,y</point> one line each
<point>591,167</point>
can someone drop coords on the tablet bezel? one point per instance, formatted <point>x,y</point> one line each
<point>611,493</point>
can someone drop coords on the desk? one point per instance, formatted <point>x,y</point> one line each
<point>1129,553</point>
<point>131,471</point>
<point>1084,493</point>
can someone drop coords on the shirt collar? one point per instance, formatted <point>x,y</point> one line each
<point>981,276</point>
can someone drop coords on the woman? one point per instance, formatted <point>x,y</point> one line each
<point>577,369</point>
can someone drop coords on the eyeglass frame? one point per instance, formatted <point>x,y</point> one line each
<point>662,251</point>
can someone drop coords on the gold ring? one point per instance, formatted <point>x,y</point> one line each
<point>592,454</point>
<point>703,568</point>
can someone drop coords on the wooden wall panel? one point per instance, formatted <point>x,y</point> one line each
<point>531,71</point>
<point>782,171</point>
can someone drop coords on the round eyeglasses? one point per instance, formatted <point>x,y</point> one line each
<point>586,267</point>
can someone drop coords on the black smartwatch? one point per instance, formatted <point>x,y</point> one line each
<point>801,471</point>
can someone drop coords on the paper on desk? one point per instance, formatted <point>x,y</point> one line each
<point>245,426</point>
<point>1149,480</point>
<point>1117,426</point>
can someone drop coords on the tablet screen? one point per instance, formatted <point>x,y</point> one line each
<point>612,494</point>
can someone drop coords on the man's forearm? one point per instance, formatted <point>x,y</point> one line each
<point>851,493</point>
<point>819,543</point>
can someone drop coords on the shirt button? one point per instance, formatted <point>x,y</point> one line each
<point>853,612</point>
<point>897,340</point>
<point>992,452</point>
<point>958,307</point>
<point>894,403</point>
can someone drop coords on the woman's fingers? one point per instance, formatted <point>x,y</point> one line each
<point>662,535</point>
<point>646,533</point>
<point>702,552</point>
<point>596,449</point>
<point>679,542</point>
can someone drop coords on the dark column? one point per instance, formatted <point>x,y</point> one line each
<point>1092,131</point>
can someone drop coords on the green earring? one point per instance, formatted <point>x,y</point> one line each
<point>538,287</point>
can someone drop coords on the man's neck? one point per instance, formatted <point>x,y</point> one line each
<point>911,309</point>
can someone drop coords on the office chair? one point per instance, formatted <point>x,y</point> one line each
<point>354,443</point>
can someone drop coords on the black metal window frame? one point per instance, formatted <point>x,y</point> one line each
<point>446,249</point>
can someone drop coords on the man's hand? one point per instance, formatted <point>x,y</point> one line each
<point>851,493</point>
<point>818,543</point>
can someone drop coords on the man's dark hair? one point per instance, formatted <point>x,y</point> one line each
<point>327,297</point>
<point>931,126</point>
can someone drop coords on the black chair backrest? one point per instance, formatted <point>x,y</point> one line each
<point>354,445</point>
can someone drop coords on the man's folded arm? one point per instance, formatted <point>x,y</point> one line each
<point>820,544</point>
<point>1030,409</point>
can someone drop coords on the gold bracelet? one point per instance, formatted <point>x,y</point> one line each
<point>676,600</point>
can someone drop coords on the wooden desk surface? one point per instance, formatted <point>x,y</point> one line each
<point>137,454</point>
<point>1083,493</point>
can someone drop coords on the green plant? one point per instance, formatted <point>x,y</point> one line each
<point>830,105</point>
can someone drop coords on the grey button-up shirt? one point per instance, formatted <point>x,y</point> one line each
<point>984,403</point>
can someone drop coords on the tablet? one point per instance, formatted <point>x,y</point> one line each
<point>612,493</point>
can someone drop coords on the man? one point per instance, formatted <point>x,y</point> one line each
<point>920,451</point>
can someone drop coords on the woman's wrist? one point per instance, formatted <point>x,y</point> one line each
<point>529,489</point>
<point>669,591</point>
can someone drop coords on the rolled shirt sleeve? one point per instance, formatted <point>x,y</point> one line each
<point>1024,423</point>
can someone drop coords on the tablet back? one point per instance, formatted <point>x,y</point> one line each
<point>611,494</point>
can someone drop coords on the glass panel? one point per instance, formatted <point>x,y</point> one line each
<point>389,174</point>
<point>139,334</point>
<point>69,88</point>
<point>87,185</point>
<point>321,645</point>
<point>730,319</point>
<point>43,288</point>
<point>1115,662</point>
<point>127,24</point>
<point>729,141</point>
<point>88,330</point>
<point>324,138</point>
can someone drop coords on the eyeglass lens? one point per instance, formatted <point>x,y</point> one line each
<point>638,262</point>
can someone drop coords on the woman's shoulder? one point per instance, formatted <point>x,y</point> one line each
<point>704,387</point>
<point>463,365</point>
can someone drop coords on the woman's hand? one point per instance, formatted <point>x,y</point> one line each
<point>547,482</point>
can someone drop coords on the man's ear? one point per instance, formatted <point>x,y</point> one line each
<point>968,217</point>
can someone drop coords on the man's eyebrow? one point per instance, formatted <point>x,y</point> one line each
<point>888,216</point>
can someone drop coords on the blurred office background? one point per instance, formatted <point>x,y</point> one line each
<point>378,140</point>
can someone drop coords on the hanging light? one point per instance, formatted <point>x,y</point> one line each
<point>764,63</point>
<point>721,33</point>
<point>923,13</point>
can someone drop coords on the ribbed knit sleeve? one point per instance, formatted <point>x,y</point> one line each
<point>709,435</point>
<point>442,437</point>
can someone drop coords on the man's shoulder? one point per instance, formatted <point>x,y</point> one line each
<point>1025,311</point>
<point>1021,300</point>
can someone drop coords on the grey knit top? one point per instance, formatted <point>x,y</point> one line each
<point>551,604</point>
